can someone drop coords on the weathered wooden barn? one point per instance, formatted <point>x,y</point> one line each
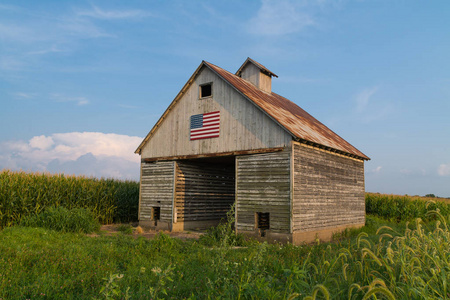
<point>227,138</point>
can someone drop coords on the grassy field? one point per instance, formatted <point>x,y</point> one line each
<point>400,262</point>
<point>401,253</point>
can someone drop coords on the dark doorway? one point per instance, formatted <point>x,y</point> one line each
<point>204,189</point>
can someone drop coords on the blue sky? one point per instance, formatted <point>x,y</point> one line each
<point>82,82</point>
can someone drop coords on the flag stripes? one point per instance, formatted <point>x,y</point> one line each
<point>205,126</point>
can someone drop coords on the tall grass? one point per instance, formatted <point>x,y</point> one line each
<point>23,194</point>
<point>407,262</point>
<point>77,220</point>
<point>404,208</point>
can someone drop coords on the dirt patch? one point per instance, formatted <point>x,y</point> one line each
<point>113,229</point>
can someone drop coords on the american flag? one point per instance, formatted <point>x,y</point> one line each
<point>205,126</point>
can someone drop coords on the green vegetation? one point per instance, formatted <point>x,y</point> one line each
<point>223,234</point>
<point>390,258</point>
<point>78,220</point>
<point>125,228</point>
<point>397,262</point>
<point>404,208</point>
<point>26,194</point>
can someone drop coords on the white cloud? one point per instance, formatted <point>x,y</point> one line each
<point>415,172</point>
<point>22,95</point>
<point>63,98</point>
<point>363,98</point>
<point>99,13</point>
<point>41,142</point>
<point>88,153</point>
<point>444,170</point>
<point>41,34</point>
<point>377,170</point>
<point>280,18</point>
<point>8,7</point>
<point>46,50</point>
<point>369,110</point>
<point>10,63</point>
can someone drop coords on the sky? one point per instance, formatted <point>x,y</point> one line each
<point>83,82</point>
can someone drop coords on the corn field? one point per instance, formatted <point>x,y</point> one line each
<point>23,194</point>
<point>404,208</point>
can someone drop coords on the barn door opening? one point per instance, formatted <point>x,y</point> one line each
<point>204,191</point>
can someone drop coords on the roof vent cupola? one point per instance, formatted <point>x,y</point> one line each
<point>257,74</point>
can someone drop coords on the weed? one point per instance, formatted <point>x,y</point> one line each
<point>78,220</point>
<point>111,290</point>
<point>125,228</point>
<point>139,230</point>
<point>224,234</point>
<point>163,277</point>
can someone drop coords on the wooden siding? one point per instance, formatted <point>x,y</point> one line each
<point>265,82</point>
<point>263,185</point>
<point>243,126</point>
<point>328,189</point>
<point>157,190</point>
<point>203,191</point>
<point>251,73</point>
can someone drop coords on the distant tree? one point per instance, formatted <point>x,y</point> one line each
<point>430,196</point>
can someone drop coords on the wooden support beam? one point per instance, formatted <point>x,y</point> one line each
<point>231,153</point>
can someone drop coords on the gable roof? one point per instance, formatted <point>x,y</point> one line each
<point>301,125</point>
<point>289,115</point>
<point>257,64</point>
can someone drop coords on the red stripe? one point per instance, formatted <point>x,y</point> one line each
<point>205,137</point>
<point>205,133</point>
<point>210,113</point>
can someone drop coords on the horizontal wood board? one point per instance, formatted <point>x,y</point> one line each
<point>203,191</point>
<point>328,190</point>
<point>157,190</point>
<point>263,185</point>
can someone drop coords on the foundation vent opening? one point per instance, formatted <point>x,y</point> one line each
<point>263,222</point>
<point>156,214</point>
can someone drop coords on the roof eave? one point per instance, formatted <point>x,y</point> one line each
<point>331,149</point>
<point>174,101</point>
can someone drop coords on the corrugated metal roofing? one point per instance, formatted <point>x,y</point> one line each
<point>289,115</point>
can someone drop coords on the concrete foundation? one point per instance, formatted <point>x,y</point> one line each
<point>299,237</point>
<point>179,226</point>
<point>296,238</point>
<point>324,235</point>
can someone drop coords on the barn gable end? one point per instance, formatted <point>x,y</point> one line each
<point>243,126</point>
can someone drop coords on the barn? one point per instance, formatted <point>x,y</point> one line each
<point>228,139</point>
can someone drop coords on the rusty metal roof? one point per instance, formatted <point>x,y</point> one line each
<point>289,115</point>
